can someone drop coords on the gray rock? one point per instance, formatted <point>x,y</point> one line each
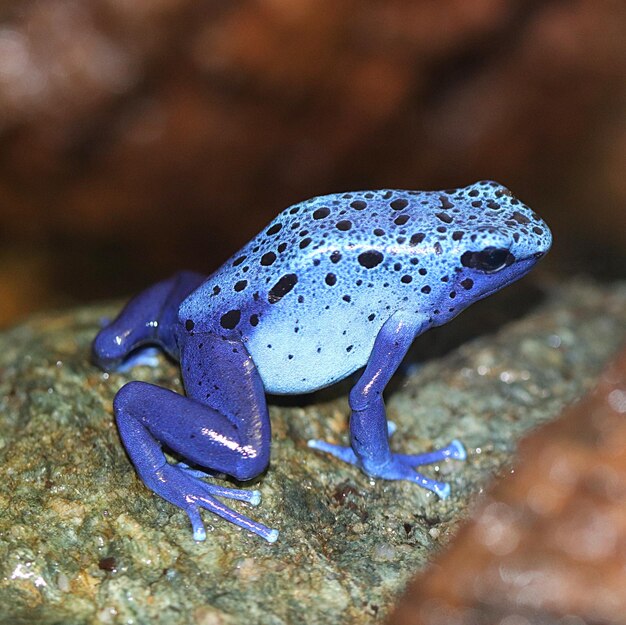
<point>83,541</point>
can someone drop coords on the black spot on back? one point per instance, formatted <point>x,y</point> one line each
<point>370,259</point>
<point>399,204</point>
<point>417,238</point>
<point>446,204</point>
<point>268,259</point>
<point>282,287</point>
<point>274,229</point>
<point>230,320</point>
<point>320,213</point>
<point>241,285</point>
<point>519,218</point>
<point>189,325</point>
<point>358,205</point>
<point>330,279</point>
<point>343,225</point>
<point>401,220</point>
<point>335,257</point>
<point>444,217</point>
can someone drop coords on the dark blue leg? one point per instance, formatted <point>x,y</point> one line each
<point>223,425</point>
<point>148,319</point>
<point>368,422</point>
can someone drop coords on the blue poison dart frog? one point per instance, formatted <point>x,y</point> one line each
<point>333,284</point>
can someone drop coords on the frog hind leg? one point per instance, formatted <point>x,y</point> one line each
<point>147,320</point>
<point>222,424</point>
<point>369,431</point>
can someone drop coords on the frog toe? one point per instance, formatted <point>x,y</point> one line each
<point>399,466</point>
<point>191,494</point>
<point>253,497</point>
<point>143,357</point>
<point>453,451</point>
<point>343,453</point>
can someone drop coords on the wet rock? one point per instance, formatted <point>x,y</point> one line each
<point>82,540</point>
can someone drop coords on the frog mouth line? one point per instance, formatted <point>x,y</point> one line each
<point>530,261</point>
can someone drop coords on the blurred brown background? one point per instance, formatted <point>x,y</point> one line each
<point>137,138</point>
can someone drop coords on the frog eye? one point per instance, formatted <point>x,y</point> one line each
<point>489,260</point>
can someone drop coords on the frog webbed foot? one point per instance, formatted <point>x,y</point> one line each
<point>399,466</point>
<point>178,486</point>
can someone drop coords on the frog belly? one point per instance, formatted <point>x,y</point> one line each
<point>302,363</point>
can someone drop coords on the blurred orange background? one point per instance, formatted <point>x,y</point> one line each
<point>138,138</point>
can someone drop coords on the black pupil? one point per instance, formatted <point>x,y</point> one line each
<point>490,259</point>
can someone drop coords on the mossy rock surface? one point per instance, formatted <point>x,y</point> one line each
<point>83,541</point>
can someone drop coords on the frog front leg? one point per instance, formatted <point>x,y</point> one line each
<point>369,435</point>
<point>222,424</point>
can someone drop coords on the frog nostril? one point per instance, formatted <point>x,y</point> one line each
<point>538,255</point>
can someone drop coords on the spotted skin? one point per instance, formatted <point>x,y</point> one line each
<point>331,285</point>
